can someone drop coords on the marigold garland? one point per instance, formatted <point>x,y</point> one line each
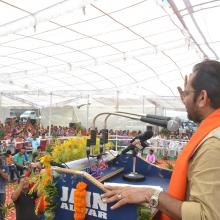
<point>41,204</point>
<point>48,177</point>
<point>42,184</point>
<point>80,201</point>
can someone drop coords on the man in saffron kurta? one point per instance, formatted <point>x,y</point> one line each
<point>193,192</point>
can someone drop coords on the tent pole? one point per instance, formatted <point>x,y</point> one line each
<point>38,109</point>
<point>87,113</point>
<point>50,111</point>
<point>117,101</point>
<point>143,104</point>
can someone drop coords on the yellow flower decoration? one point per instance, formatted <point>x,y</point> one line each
<point>45,160</point>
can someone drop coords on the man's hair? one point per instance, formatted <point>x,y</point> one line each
<point>8,152</point>
<point>207,77</point>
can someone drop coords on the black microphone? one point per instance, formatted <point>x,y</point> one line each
<point>171,125</point>
<point>128,148</point>
<point>159,117</point>
<point>53,163</point>
<point>142,138</point>
<point>88,144</point>
<point>104,136</point>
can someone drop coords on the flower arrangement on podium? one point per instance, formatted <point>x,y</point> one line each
<point>69,150</point>
<point>44,183</point>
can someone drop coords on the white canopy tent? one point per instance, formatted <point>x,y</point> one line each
<point>75,49</point>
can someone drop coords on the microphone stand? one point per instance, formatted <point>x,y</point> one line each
<point>64,164</point>
<point>134,176</point>
<point>88,157</point>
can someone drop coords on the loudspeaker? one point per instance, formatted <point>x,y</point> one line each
<point>104,137</point>
<point>73,125</point>
<point>93,137</point>
<point>88,148</point>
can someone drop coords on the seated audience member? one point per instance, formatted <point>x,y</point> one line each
<point>19,143</point>
<point>43,143</point>
<point>151,158</point>
<point>26,155</point>
<point>3,181</point>
<point>4,146</point>
<point>35,143</point>
<point>29,157</point>
<point>20,161</point>
<point>24,202</point>
<point>11,146</point>
<point>11,166</point>
<point>37,154</point>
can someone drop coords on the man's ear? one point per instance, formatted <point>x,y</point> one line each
<point>203,99</point>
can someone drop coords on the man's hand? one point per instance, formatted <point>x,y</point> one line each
<point>181,92</point>
<point>24,181</point>
<point>126,195</point>
<point>137,143</point>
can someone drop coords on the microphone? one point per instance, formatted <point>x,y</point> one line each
<point>53,163</point>
<point>158,117</point>
<point>171,124</point>
<point>142,138</point>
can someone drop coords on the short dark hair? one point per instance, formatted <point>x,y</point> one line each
<point>8,152</point>
<point>207,77</point>
<point>152,151</point>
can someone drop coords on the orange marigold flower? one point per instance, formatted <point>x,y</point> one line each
<point>80,201</point>
<point>81,185</point>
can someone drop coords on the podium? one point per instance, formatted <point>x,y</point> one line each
<point>96,209</point>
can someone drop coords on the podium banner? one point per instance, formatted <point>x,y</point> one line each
<point>96,209</point>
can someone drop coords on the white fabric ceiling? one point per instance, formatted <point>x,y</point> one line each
<point>72,49</point>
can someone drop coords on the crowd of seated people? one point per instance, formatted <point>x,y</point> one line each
<point>21,143</point>
<point>20,161</point>
<point>14,136</point>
